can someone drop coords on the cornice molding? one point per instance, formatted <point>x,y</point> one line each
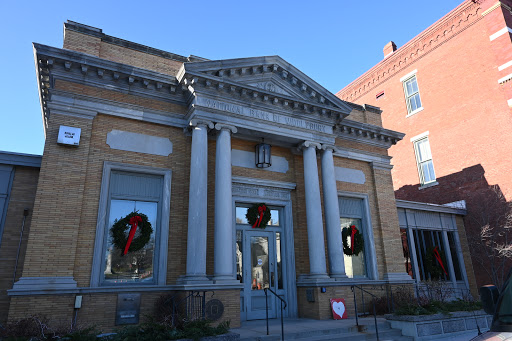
<point>367,134</point>
<point>437,34</point>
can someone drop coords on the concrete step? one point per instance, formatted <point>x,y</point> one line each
<point>346,332</point>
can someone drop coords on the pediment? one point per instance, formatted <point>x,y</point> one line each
<point>269,75</point>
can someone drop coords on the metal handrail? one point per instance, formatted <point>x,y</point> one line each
<point>266,310</point>
<point>374,311</point>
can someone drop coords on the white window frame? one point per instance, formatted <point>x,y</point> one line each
<point>415,140</point>
<point>370,254</point>
<point>160,270</point>
<point>405,79</point>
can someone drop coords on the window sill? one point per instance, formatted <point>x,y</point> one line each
<point>430,184</point>
<point>414,112</point>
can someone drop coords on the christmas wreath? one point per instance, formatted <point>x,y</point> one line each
<point>356,241</point>
<point>133,221</point>
<point>435,260</point>
<point>258,215</point>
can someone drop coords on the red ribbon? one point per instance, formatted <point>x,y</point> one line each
<point>134,221</point>
<point>261,211</point>
<point>353,233</point>
<point>438,257</point>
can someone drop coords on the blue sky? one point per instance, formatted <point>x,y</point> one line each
<point>333,42</point>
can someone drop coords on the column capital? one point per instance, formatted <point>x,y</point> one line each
<point>307,144</point>
<point>195,122</point>
<point>329,147</point>
<point>220,126</point>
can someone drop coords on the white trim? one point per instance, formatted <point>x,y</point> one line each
<point>409,75</point>
<point>504,79</point>
<point>509,102</point>
<point>504,66</point>
<point>414,112</point>
<point>500,33</point>
<point>420,136</point>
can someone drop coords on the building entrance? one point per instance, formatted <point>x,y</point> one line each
<point>260,266</point>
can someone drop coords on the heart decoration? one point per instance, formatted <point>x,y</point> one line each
<point>338,309</point>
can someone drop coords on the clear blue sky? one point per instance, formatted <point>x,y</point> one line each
<point>333,42</point>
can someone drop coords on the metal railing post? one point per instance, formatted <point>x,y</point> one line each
<point>282,322</point>
<point>375,318</point>
<point>355,305</point>
<point>266,308</point>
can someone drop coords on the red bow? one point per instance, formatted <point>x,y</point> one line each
<point>261,211</point>
<point>438,257</point>
<point>353,233</point>
<point>134,221</point>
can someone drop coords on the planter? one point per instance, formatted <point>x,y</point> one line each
<point>427,327</point>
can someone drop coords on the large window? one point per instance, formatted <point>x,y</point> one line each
<point>126,189</point>
<point>424,161</point>
<point>354,210</point>
<point>412,95</point>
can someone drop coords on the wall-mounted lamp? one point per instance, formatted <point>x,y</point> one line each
<point>263,156</point>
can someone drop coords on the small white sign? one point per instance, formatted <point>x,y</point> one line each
<point>69,135</point>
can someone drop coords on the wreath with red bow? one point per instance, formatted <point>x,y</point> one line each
<point>134,222</point>
<point>258,215</point>
<point>356,241</point>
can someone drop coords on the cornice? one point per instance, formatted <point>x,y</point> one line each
<point>437,34</point>
<point>200,82</point>
<point>91,70</point>
<point>367,134</point>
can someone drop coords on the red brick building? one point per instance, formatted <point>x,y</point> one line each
<point>449,90</point>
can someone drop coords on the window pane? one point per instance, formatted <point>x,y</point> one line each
<point>412,104</point>
<point>414,85</point>
<point>259,263</point>
<point>279,262</point>
<point>354,265</point>
<point>135,266</point>
<point>405,249</point>
<point>240,215</point>
<point>417,101</point>
<point>239,250</point>
<point>409,88</point>
<point>274,218</point>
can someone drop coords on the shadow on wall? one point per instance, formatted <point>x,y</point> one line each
<point>488,221</point>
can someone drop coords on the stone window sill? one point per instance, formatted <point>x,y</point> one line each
<point>414,112</point>
<point>430,184</point>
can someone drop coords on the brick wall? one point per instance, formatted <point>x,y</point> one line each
<point>465,108</point>
<point>22,196</point>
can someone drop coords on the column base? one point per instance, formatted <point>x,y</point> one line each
<point>339,277</point>
<point>193,279</point>
<point>225,279</point>
<point>397,277</point>
<point>314,278</point>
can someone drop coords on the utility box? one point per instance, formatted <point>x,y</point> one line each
<point>128,309</point>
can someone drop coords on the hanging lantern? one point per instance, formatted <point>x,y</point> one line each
<point>263,157</point>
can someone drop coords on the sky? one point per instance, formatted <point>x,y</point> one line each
<point>333,42</point>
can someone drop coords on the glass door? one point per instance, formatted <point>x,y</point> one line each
<point>260,270</point>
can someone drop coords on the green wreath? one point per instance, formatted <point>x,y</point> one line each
<point>258,215</point>
<point>346,233</point>
<point>120,237</point>
<point>432,264</point>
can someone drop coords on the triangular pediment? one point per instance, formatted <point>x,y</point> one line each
<point>269,75</point>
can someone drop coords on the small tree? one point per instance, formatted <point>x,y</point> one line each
<point>489,222</point>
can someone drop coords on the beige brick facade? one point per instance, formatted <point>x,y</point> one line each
<point>69,201</point>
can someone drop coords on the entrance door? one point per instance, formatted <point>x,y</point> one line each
<point>260,268</point>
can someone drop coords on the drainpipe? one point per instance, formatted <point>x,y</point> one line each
<point>25,214</point>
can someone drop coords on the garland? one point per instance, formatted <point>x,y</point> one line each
<point>133,221</point>
<point>258,215</point>
<point>435,261</point>
<point>356,239</point>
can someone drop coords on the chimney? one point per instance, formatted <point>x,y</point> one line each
<point>389,49</point>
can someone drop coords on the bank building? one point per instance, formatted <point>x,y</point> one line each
<point>171,175</point>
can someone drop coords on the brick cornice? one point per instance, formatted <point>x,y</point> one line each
<point>455,22</point>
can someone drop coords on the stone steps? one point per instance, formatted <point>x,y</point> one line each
<point>346,332</point>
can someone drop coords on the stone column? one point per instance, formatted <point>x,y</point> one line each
<point>223,243</point>
<point>317,266</point>
<point>332,215</point>
<point>197,203</point>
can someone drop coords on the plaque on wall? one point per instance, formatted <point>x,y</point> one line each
<point>128,309</point>
<point>214,309</point>
<point>69,136</point>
